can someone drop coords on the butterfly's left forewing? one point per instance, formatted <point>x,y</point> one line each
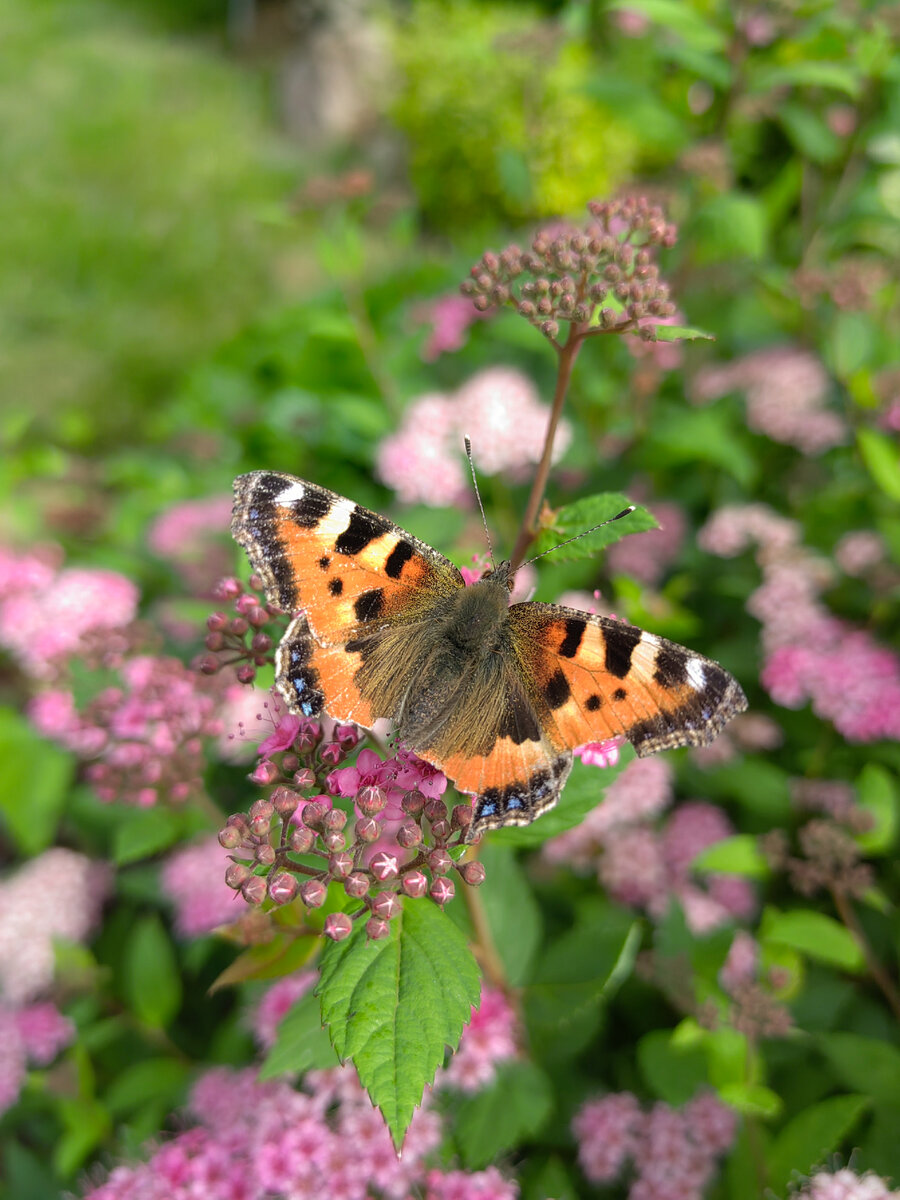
<point>592,678</point>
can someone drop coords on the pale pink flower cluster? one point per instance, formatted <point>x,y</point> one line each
<point>243,709</point>
<point>673,1152</point>
<point>145,738</point>
<point>36,1034</point>
<point>810,655</point>
<point>786,390</point>
<point>277,1002</point>
<point>262,1140</point>
<point>748,731</point>
<point>742,961</point>
<point>647,556</point>
<point>488,1039</point>
<point>645,866</point>
<point>498,409</point>
<point>846,1185</point>
<point>56,896</point>
<point>193,877</point>
<point>194,537</point>
<point>859,551</point>
<point>49,616</point>
<point>450,318</point>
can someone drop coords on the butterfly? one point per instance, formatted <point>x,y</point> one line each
<point>493,694</point>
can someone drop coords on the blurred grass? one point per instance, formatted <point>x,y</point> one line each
<point>140,221</point>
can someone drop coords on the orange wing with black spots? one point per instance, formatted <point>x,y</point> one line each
<point>592,678</point>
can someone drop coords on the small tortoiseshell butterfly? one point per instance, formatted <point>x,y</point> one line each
<point>495,695</point>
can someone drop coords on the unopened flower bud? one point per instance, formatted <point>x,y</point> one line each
<point>408,835</point>
<point>282,887</point>
<point>371,800</point>
<point>312,814</point>
<point>356,885</point>
<point>254,889</point>
<point>230,837</point>
<point>309,735</point>
<point>214,641</point>
<point>261,643</point>
<point>260,826</point>
<point>440,830</point>
<point>413,803</point>
<point>439,862</point>
<point>334,820</point>
<point>414,884</point>
<point>208,664</point>
<point>386,905</point>
<point>377,929</point>
<point>435,810</point>
<point>549,329</point>
<point>217,622</point>
<point>238,626</point>
<point>257,617</point>
<point>236,875</point>
<point>265,773</point>
<point>367,829</point>
<point>245,673</point>
<point>347,736</point>
<point>527,309</point>
<point>384,866</point>
<point>332,753</point>
<point>289,764</point>
<point>340,864</point>
<point>313,893</point>
<point>337,926</point>
<point>265,855</point>
<point>472,873</point>
<point>228,588</point>
<point>461,817</point>
<point>304,779</point>
<point>285,801</point>
<point>333,842</point>
<point>301,840</point>
<point>608,317</point>
<point>442,890</point>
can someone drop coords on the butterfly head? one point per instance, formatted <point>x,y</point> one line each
<point>500,574</point>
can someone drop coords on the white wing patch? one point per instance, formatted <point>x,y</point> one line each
<point>696,673</point>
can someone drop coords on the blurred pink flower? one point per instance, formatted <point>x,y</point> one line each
<point>450,318</point>
<point>488,1039</point>
<point>57,895</point>
<point>194,536</point>
<point>860,550</point>
<point>735,528</point>
<point>600,754</point>
<point>646,556</point>
<point>742,961</point>
<point>470,1185</point>
<point>277,1002</point>
<point>845,1184</point>
<point>13,1065</point>
<point>607,1132</point>
<point>667,356</point>
<point>44,1031</point>
<point>193,878</point>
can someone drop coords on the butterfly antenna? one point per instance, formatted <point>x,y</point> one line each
<point>487,534</point>
<point>593,528</point>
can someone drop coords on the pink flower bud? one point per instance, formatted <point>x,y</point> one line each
<point>439,862</point>
<point>261,643</point>
<point>260,827</point>
<point>254,889</point>
<point>440,831</point>
<point>227,588</point>
<point>384,866</point>
<point>238,626</point>
<point>347,736</point>
<point>386,905</point>
<point>285,801</point>
<point>435,810</point>
<point>309,735</point>
<point>413,803</point>
<point>472,873</point>
<point>265,773</point>
<point>332,753</point>
<point>304,779</point>
<point>340,864</point>
<point>338,926</point>
<point>236,875</point>
<point>461,817</point>
<point>257,617</point>
<point>208,664</point>
<point>334,820</point>
<point>371,800</point>
<point>408,835</point>
<point>289,764</point>
<point>414,884</point>
<point>441,891</point>
<point>376,928</point>
<point>214,641</point>
<point>356,885</point>
<point>245,603</point>
<point>282,887</point>
<point>239,821</point>
<point>217,622</point>
<point>261,808</point>
<point>333,842</point>
<point>312,814</point>
<point>265,855</point>
<point>230,837</point>
<point>367,829</point>
<point>313,893</point>
<point>301,840</point>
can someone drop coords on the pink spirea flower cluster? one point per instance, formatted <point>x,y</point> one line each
<point>193,878</point>
<point>35,1033</point>
<point>672,1152</point>
<point>47,615</point>
<point>262,1141</point>
<point>498,408</point>
<point>277,1002</point>
<point>786,390</point>
<point>646,556</point>
<point>644,865</point>
<point>450,318</point>
<point>194,537</point>
<point>810,655</point>
<point>57,895</point>
<point>846,1185</point>
<point>145,737</point>
<point>488,1039</point>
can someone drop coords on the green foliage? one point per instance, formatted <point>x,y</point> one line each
<point>34,779</point>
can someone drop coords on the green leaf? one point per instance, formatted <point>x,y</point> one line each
<point>878,798</point>
<point>738,855</point>
<point>143,832</point>
<point>673,1073</point>
<point>804,73</point>
<point>502,1116</point>
<point>752,1099</point>
<point>154,1078</point>
<point>511,910</point>
<point>301,1043</point>
<point>760,786</point>
<point>86,1124</point>
<point>269,960</point>
<point>575,519</point>
<point>393,1006</point>
<point>809,133</point>
<point>868,1065</point>
<point>680,436</point>
<point>583,791</point>
<point>816,935</point>
<point>807,1140</point>
<point>34,778</point>
<point>680,333</point>
<point>880,456</point>
<point>849,344</point>
<point>731,226</point>
<point>680,19</point>
<point>151,979</point>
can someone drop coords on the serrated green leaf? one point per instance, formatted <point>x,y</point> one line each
<point>151,977</point>
<point>34,779</point>
<point>143,832</point>
<point>868,1065</point>
<point>301,1043</point>
<point>681,333</point>
<point>807,1140</point>
<point>737,855</point>
<point>583,791</point>
<point>880,456</point>
<point>816,935</point>
<point>501,1116</point>
<point>393,1006</point>
<point>575,519</point>
<point>878,799</point>
<point>511,911</point>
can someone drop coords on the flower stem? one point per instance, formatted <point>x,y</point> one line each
<point>485,949</point>
<point>567,355</point>
<point>876,970</point>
